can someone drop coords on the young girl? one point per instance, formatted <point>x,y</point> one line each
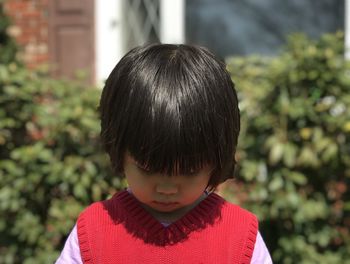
<point>170,123</point>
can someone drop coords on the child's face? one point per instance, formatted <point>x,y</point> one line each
<point>165,194</point>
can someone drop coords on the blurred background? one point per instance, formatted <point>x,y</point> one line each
<point>287,59</point>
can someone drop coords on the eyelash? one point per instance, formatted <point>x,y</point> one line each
<point>193,172</point>
<point>148,171</point>
<point>143,169</point>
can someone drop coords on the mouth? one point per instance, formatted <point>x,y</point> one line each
<point>165,204</point>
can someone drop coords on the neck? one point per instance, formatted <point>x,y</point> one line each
<point>170,217</point>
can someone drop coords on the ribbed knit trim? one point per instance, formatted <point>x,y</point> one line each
<point>143,225</point>
<point>248,248</point>
<point>84,246</point>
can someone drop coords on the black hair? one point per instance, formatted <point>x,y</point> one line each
<point>173,108</point>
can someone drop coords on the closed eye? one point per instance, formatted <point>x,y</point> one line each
<point>143,169</point>
<point>193,172</point>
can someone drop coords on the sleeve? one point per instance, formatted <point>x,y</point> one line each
<point>261,254</point>
<point>71,251</point>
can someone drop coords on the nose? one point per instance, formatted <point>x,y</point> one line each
<point>167,188</point>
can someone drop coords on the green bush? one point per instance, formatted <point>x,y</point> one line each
<point>294,151</point>
<point>51,162</point>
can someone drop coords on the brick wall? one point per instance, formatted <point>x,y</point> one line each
<point>30,29</point>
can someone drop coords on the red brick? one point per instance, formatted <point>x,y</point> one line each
<point>31,18</point>
<point>42,58</point>
<point>32,15</point>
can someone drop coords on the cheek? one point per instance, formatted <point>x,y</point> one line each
<point>136,183</point>
<point>203,180</point>
<point>139,185</point>
<point>141,190</point>
<point>196,185</point>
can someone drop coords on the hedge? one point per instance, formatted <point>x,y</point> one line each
<point>294,151</point>
<point>51,162</point>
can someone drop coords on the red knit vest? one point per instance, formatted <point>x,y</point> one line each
<point>119,230</point>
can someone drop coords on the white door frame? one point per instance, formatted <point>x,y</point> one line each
<point>108,37</point>
<point>172,21</point>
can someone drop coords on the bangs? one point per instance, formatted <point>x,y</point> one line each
<point>171,161</point>
<point>169,143</point>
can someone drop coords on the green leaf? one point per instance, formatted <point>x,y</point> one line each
<point>297,177</point>
<point>276,153</point>
<point>276,183</point>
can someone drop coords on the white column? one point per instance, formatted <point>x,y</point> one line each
<point>108,35</point>
<point>347,29</point>
<point>172,21</point>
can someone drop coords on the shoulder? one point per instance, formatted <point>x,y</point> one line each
<point>108,206</point>
<point>242,219</point>
<point>92,221</point>
<point>234,210</point>
<point>101,212</point>
<point>91,213</point>
<point>94,207</point>
<point>238,223</point>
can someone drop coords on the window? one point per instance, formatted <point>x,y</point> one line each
<point>141,20</point>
